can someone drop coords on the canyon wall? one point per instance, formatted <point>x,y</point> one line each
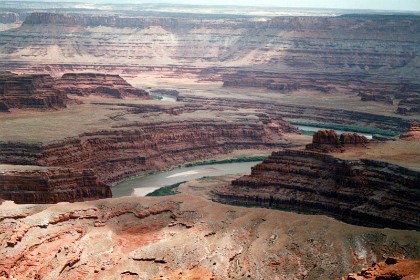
<point>29,91</point>
<point>320,114</point>
<point>328,141</point>
<point>51,185</point>
<point>363,192</point>
<point>321,50</point>
<point>107,85</point>
<point>136,148</point>
<point>41,91</point>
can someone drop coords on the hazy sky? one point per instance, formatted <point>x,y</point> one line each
<point>413,5</point>
<point>396,5</point>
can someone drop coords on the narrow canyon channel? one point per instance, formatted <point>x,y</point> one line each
<point>142,185</point>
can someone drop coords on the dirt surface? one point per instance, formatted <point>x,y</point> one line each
<point>186,235</point>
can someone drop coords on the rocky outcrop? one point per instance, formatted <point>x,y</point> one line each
<point>390,269</point>
<point>107,85</point>
<point>29,91</point>
<point>41,91</point>
<point>328,141</point>
<point>134,148</point>
<point>51,185</point>
<point>185,238</point>
<point>368,96</point>
<point>363,192</point>
<point>413,134</point>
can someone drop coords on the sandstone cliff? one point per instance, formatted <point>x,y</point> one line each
<point>29,91</point>
<point>41,91</point>
<point>328,141</point>
<point>363,192</point>
<point>413,134</point>
<point>107,85</point>
<point>50,185</point>
<point>134,148</point>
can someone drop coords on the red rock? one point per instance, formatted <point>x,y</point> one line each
<point>85,84</point>
<point>137,148</point>
<point>354,191</point>
<point>329,137</point>
<point>29,91</point>
<point>329,141</point>
<point>390,269</point>
<point>353,139</point>
<point>51,186</point>
<point>413,134</point>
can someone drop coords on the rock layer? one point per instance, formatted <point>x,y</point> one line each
<point>413,134</point>
<point>136,148</point>
<point>29,91</point>
<point>363,192</point>
<point>328,141</point>
<point>358,52</point>
<point>85,84</point>
<point>51,186</point>
<point>41,91</point>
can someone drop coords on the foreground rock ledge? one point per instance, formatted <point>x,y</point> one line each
<point>144,238</point>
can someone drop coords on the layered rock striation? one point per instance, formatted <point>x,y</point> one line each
<point>135,148</point>
<point>413,134</point>
<point>51,185</point>
<point>41,91</point>
<point>328,141</point>
<point>363,192</point>
<point>107,85</point>
<point>29,91</point>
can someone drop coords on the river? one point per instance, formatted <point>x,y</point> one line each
<point>142,185</point>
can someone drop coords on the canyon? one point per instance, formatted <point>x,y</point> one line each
<point>117,138</point>
<point>82,109</point>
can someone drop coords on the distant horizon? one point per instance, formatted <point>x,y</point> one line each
<point>374,5</point>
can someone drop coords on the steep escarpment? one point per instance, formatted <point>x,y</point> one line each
<point>29,91</point>
<point>364,192</point>
<point>328,140</point>
<point>41,91</point>
<point>42,185</point>
<point>135,148</point>
<point>85,84</point>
